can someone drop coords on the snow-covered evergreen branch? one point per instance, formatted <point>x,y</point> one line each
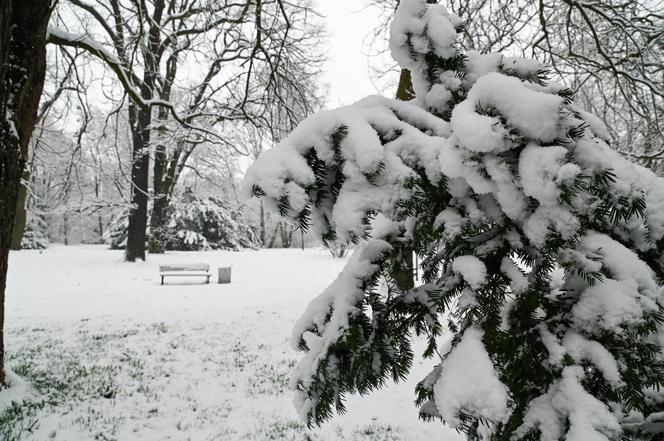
<point>540,245</point>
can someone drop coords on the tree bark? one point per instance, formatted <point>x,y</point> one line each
<point>405,88</point>
<point>100,219</point>
<point>404,277</point>
<point>262,224</point>
<point>65,227</point>
<point>275,234</point>
<point>100,226</point>
<point>161,187</point>
<point>139,120</point>
<point>21,216</point>
<point>23,25</point>
<point>158,222</point>
<point>286,235</point>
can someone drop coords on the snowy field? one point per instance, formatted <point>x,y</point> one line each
<point>112,355</point>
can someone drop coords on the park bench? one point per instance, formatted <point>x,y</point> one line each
<point>186,270</point>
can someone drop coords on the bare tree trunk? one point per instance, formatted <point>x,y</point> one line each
<point>21,217</point>
<point>162,194</point>
<point>100,219</point>
<point>262,224</point>
<point>274,236</point>
<point>404,277</point>
<point>140,119</point>
<point>138,215</point>
<point>158,223</point>
<point>65,227</point>
<point>286,235</point>
<point>290,237</point>
<point>282,234</point>
<point>405,88</point>
<point>23,26</point>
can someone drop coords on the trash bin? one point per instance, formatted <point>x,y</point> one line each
<point>224,274</point>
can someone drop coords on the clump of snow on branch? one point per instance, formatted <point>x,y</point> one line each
<point>471,269</point>
<point>622,297</point>
<point>567,401</point>
<point>350,142</point>
<point>468,381</point>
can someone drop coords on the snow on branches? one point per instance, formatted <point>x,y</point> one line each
<point>195,223</point>
<point>540,247</point>
<point>207,223</point>
<point>322,171</point>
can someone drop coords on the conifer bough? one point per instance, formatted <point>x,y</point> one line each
<point>540,247</point>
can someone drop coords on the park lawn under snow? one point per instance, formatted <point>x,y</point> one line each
<point>111,355</point>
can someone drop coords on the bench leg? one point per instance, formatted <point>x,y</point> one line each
<point>162,280</point>
<point>208,280</point>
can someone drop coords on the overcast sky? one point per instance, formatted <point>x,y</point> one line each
<point>348,72</point>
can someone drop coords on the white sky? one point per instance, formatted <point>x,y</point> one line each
<point>347,72</point>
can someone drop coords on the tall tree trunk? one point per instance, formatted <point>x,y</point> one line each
<point>275,233</point>
<point>65,227</point>
<point>263,224</point>
<point>158,222</point>
<point>290,237</point>
<point>100,219</point>
<point>23,25</point>
<point>404,276</point>
<point>405,87</point>
<point>21,216</point>
<point>286,235</point>
<point>161,190</point>
<point>139,120</point>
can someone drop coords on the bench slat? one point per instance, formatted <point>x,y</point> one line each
<point>186,267</point>
<point>188,274</point>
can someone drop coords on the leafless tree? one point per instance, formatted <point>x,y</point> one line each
<point>83,178</point>
<point>192,69</point>
<point>23,28</point>
<point>58,82</point>
<point>612,53</point>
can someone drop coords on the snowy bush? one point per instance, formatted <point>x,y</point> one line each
<point>35,236</point>
<point>202,224</point>
<point>195,224</point>
<point>187,240</point>
<point>117,232</point>
<point>540,248</point>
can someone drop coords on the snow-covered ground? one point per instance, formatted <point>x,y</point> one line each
<point>112,355</point>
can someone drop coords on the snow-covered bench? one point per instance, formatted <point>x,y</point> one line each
<point>193,269</point>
